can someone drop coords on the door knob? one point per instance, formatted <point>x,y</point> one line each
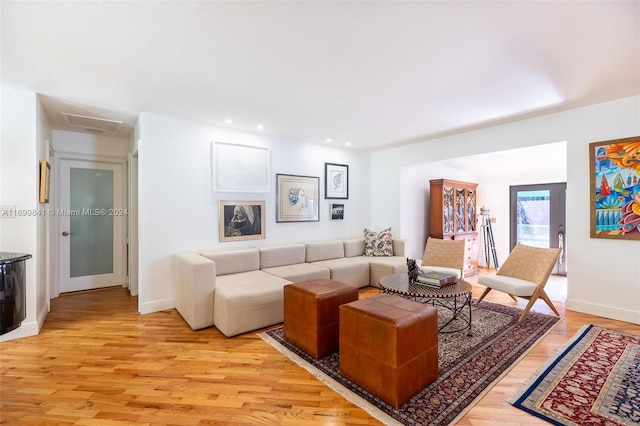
<point>65,233</point>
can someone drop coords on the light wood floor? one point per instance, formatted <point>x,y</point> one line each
<point>98,362</point>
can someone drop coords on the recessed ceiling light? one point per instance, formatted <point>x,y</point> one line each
<point>260,126</point>
<point>348,144</point>
<point>228,121</point>
<point>329,140</point>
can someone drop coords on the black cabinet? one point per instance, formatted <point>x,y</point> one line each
<point>12,290</point>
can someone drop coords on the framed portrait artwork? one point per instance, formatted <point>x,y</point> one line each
<point>615,188</point>
<point>45,181</point>
<point>336,181</point>
<point>241,220</point>
<point>297,198</point>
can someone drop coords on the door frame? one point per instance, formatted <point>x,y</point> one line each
<point>132,222</point>
<point>55,228</point>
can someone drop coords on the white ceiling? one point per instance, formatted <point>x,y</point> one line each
<point>373,73</point>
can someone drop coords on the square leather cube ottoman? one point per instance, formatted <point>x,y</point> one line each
<point>389,346</point>
<point>311,314</point>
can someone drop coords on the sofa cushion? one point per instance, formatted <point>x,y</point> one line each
<point>248,301</point>
<point>283,254</point>
<point>398,247</point>
<point>349,270</point>
<point>378,244</point>
<point>299,272</point>
<point>234,261</point>
<point>509,285</point>
<point>354,247</point>
<point>383,266</point>
<point>322,250</point>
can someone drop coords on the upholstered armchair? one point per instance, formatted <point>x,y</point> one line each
<point>444,256</point>
<point>524,274</point>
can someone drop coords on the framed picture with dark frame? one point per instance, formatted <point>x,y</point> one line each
<point>337,211</point>
<point>241,220</point>
<point>336,181</point>
<point>297,198</point>
<point>45,181</point>
<point>615,188</point>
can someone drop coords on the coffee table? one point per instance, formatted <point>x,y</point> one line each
<point>455,297</point>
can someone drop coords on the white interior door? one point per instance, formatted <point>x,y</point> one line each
<point>91,222</point>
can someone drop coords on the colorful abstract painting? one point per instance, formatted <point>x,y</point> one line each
<point>615,188</point>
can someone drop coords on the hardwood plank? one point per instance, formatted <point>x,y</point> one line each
<point>98,362</point>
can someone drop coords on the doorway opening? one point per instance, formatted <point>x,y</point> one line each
<point>91,225</point>
<point>538,218</point>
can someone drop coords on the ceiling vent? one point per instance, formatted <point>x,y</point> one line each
<point>90,123</point>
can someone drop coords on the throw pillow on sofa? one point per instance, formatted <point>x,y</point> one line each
<point>378,243</point>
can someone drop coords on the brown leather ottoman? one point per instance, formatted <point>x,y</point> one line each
<point>311,314</point>
<point>389,346</point>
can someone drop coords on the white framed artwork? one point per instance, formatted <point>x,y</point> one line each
<point>239,168</point>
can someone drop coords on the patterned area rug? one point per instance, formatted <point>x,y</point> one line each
<point>594,379</point>
<point>468,366</point>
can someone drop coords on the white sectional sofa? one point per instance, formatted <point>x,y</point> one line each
<point>240,290</point>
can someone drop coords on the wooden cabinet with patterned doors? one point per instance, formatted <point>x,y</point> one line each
<point>453,216</point>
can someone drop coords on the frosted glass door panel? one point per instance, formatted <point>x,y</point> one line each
<point>91,224</point>
<point>533,218</point>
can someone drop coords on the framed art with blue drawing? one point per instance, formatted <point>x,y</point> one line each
<point>336,181</point>
<point>297,198</point>
<point>615,188</point>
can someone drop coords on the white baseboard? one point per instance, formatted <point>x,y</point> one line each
<point>27,329</point>
<point>156,306</point>
<point>626,315</point>
<point>42,316</point>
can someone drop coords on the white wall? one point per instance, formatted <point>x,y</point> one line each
<point>24,134</point>
<point>88,144</point>
<point>604,275</point>
<point>43,138</point>
<point>179,212</point>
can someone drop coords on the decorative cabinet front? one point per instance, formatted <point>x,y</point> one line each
<point>453,216</point>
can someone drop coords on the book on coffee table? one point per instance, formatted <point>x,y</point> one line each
<point>436,279</point>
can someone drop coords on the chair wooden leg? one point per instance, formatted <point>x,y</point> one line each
<point>484,293</point>
<point>545,297</point>
<point>532,300</point>
<point>514,298</point>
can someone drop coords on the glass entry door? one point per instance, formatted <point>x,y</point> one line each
<point>538,218</point>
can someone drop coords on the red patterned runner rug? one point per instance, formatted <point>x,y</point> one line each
<point>594,379</point>
<point>468,366</point>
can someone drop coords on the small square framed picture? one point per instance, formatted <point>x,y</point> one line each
<point>337,211</point>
